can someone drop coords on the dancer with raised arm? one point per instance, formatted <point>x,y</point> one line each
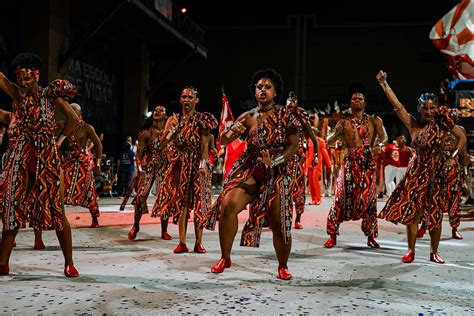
<point>31,184</point>
<point>418,196</point>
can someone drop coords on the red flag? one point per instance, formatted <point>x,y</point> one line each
<point>453,35</point>
<point>226,119</point>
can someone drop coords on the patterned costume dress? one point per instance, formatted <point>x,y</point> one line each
<point>34,154</point>
<point>183,184</point>
<point>452,182</point>
<point>154,163</point>
<point>276,182</point>
<point>299,194</point>
<point>355,196</point>
<point>78,166</point>
<point>421,189</point>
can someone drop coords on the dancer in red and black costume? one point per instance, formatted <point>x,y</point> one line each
<point>356,197</point>
<point>264,176</point>
<point>454,175</point>
<point>306,133</point>
<point>31,185</point>
<point>188,178</point>
<point>419,195</point>
<point>152,162</point>
<point>80,167</point>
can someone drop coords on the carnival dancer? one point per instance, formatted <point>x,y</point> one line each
<point>306,133</point>
<point>31,185</point>
<point>188,179</point>
<point>80,167</point>
<point>418,197</point>
<point>356,197</point>
<point>263,177</point>
<point>152,162</point>
<point>454,175</point>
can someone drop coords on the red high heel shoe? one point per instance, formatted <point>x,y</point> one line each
<point>408,257</point>
<point>372,243</point>
<point>181,248</point>
<point>298,225</point>
<point>421,231</point>
<point>456,234</point>
<point>221,265</point>
<point>284,274</point>
<point>166,236</point>
<point>132,234</point>
<point>435,257</point>
<point>39,245</point>
<point>4,269</point>
<point>199,248</point>
<point>331,242</point>
<point>70,271</point>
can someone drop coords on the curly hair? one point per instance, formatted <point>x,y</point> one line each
<point>27,60</point>
<point>271,74</point>
<point>425,97</point>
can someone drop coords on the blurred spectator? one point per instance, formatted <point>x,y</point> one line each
<point>125,168</point>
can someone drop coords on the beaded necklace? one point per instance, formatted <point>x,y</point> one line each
<point>360,128</point>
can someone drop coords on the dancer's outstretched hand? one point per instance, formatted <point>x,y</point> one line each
<point>381,76</point>
<point>266,159</point>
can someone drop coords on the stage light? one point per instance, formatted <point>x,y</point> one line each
<point>184,10</point>
<point>148,114</point>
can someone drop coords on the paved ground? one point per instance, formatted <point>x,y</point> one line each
<point>144,277</point>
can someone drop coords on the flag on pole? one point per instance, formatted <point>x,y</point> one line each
<point>226,118</point>
<point>453,35</point>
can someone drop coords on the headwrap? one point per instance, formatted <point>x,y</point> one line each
<point>31,71</point>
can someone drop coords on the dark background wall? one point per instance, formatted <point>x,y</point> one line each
<point>133,63</point>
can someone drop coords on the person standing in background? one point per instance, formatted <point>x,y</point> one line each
<point>125,168</point>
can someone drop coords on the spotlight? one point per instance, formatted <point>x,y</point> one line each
<point>184,10</point>
<point>148,114</point>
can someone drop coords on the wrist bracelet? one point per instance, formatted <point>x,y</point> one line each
<point>455,153</point>
<point>202,163</point>
<point>277,161</point>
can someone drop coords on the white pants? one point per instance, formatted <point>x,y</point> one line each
<point>390,174</point>
<point>400,173</point>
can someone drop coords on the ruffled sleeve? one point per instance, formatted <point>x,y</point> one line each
<point>447,117</point>
<point>295,116</point>
<point>61,88</point>
<point>207,121</point>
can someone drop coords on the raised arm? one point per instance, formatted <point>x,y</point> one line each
<point>10,88</point>
<point>398,107</point>
<point>71,119</point>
